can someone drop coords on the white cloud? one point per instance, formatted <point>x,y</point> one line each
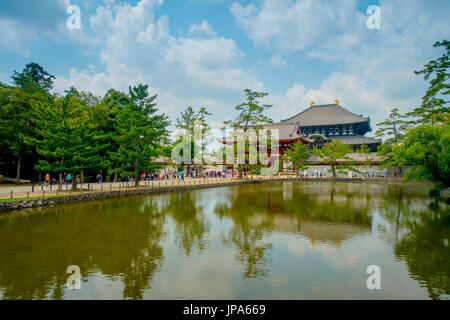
<point>202,29</point>
<point>294,25</point>
<point>13,35</point>
<point>277,61</point>
<point>136,47</point>
<point>373,69</point>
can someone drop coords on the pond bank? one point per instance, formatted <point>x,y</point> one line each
<point>142,190</point>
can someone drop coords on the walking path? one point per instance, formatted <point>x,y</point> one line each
<point>23,192</point>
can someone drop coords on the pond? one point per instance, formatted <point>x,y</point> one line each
<point>305,240</point>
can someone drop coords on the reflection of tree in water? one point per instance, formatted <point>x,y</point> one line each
<point>252,252</point>
<point>421,240</point>
<point>111,237</point>
<point>395,203</point>
<point>255,212</point>
<point>334,205</point>
<point>191,227</point>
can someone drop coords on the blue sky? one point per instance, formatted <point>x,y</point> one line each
<point>205,52</point>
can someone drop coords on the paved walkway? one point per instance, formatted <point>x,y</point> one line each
<point>19,192</point>
<point>47,190</point>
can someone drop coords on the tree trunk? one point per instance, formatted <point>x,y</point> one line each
<point>239,171</point>
<point>82,176</point>
<point>115,173</point>
<point>101,169</point>
<point>19,162</point>
<point>398,170</point>
<point>333,170</point>
<point>136,167</point>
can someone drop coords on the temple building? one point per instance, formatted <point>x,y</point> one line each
<point>322,123</point>
<point>318,125</point>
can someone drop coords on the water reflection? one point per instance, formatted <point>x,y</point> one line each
<point>421,234</point>
<point>191,225</point>
<point>290,240</point>
<point>327,215</point>
<point>110,237</point>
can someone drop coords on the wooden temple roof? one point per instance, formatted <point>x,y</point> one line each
<point>325,115</point>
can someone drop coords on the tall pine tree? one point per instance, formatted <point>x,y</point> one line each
<point>141,133</point>
<point>65,136</point>
<point>435,107</point>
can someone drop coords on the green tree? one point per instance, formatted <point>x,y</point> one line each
<point>205,131</point>
<point>190,124</point>
<point>33,77</point>
<point>141,133</point>
<point>15,123</point>
<point>297,155</point>
<point>98,121</point>
<point>114,101</point>
<point>65,136</point>
<point>367,159</point>
<point>426,150</point>
<point>435,106</point>
<point>251,114</point>
<point>31,85</point>
<point>392,130</point>
<point>186,121</point>
<point>333,151</point>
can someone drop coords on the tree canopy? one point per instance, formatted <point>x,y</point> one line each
<point>297,155</point>
<point>333,151</point>
<point>435,107</point>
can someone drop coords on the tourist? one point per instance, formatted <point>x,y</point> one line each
<point>47,179</point>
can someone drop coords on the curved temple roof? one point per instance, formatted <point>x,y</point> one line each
<point>324,115</point>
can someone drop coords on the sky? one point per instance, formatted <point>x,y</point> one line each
<point>206,52</point>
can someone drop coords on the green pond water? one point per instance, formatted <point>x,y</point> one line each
<point>266,241</point>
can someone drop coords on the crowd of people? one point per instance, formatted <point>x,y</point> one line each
<point>180,175</point>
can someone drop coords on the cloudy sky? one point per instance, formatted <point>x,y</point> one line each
<point>206,52</point>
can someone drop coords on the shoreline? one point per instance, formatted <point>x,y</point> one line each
<point>17,205</point>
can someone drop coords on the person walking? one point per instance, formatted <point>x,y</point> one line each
<point>47,179</point>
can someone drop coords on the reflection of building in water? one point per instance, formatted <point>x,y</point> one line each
<point>330,233</point>
<point>277,222</point>
<point>316,231</point>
